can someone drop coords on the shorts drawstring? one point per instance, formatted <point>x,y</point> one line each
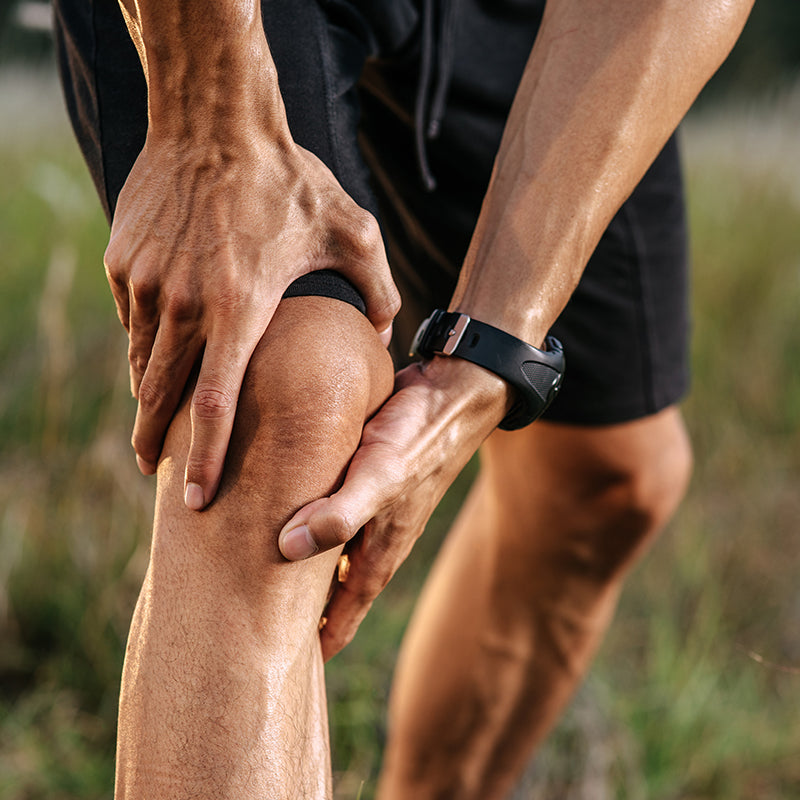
<point>428,111</point>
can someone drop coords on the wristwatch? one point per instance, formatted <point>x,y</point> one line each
<point>535,374</point>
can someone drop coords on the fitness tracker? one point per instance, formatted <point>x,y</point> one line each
<point>535,374</point>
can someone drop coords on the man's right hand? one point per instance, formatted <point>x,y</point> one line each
<point>206,238</point>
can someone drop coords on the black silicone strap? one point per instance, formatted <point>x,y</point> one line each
<point>535,374</point>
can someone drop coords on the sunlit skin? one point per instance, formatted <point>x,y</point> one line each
<point>223,694</point>
<point>222,691</point>
<point>194,263</point>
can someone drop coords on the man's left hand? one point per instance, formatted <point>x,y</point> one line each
<point>410,453</point>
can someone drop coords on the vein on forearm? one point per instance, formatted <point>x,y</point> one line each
<point>207,64</point>
<point>605,86</point>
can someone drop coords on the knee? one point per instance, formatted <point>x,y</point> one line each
<point>628,504</point>
<point>596,497</point>
<point>318,373</point>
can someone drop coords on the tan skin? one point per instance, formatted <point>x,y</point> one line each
<point>222,692</point>
<point>610,80</point>
<point>595,135</point>
<point>520,597</point>
<point>195,265</point>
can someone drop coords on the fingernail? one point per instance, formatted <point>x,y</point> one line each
<point>145,467</point>
<point>193,497</point>
<point>297,544</point>
<point>386,335</point>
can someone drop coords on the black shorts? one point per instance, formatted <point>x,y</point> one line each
<point>361,80</point>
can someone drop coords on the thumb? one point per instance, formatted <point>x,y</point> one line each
<point>331,521</point>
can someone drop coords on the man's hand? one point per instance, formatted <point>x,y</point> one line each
<point>205,240</point>
<point>410,453</point>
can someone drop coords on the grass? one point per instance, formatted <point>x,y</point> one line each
<point>695,691</point>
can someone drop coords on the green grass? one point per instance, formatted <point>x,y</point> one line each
<point>696,690</point>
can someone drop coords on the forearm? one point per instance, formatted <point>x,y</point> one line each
<point>208,67</point>
<point>605,86</point>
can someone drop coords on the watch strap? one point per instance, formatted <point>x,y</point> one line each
<point>535,374</point>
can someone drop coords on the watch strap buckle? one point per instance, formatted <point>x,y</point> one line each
<point>440,334</point>
<point>455,334</point>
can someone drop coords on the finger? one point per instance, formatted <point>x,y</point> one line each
<point>327,523</point>
<point>213,411</point>
<point>122,302</point>
<point>345,612</point>
<point>386,335</point>
<point>119,290</point>
<point>142,334</point>
<point>159,393</point>
<point>366,265</point>
<point>143,328</point>
<point>373,557</point>
<point>333,521</point>
<point>381,298</point>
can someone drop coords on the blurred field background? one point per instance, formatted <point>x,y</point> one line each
<point>696,693</point>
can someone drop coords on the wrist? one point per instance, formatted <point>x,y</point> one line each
<point>208,69</point>
<point>496,298</point>
<point>468,394</point>
<point>232,104</point>
<point>534,374</point>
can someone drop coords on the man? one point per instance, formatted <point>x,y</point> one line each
<point>235,181</point>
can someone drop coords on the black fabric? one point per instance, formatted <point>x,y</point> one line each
<point>349,72</point>
<point>625,329</point>
<point>104,89</point>
<point>326,283</point>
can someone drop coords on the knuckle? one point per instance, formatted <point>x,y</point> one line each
<point>366,234</point>
<point>340,529</point>
<point>212,402</point>
<point>138,362</point>
<point>111,256</point>
<point>115,270</point>
<point>138,355</point>
<point>146,442</point>
<point>199,468</point>
<point>144,289</point>
<point>152,397</point>
<point>356,237</point>
<point>181,306</point>
<point>390,307</point>
<point>145,449</point>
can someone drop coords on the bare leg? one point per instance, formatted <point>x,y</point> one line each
<point>519,599</point>
<point>223,693</point>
